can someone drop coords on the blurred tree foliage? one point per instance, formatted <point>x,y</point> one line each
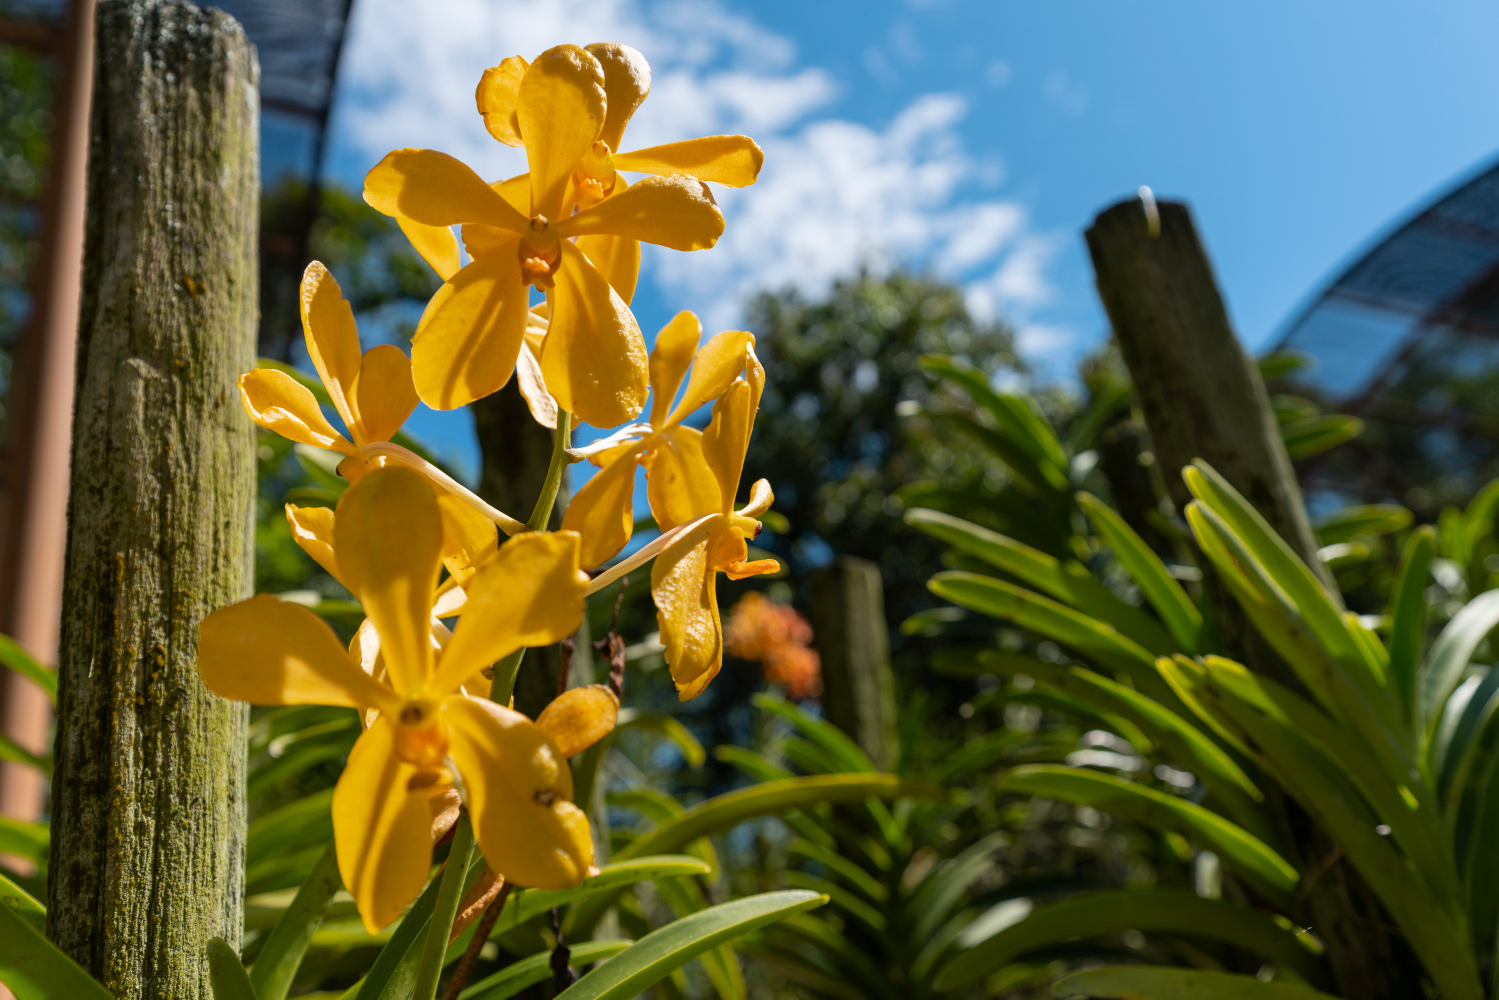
<point>849,420</point>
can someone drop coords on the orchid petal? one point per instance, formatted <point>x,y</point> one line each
<point>388,536</point>
<point>618,260</point>
<point>468,537</point>
<point>270,652</point>
<point>679,484</point>
<point>437,245</point>
<point>593,356</point>
<point>533,388</point>
<point>601,512</point>
<point>580,717</point>
<point>760,499</point>
<point>279,403</point>
<point>436,189</point>
<point>384,394</point>
<point>470,334</point>
<point>683,587</point>
<point>742,570</point>
<point>727,439</point>
<point>627,81</point>
<point>675,212</point>
<point>734,160</point>
<point>382,826</point>
<point>332,340</point>
<point>713,370</point>
<point>519,795</point>
<point>560,112</point>
<point>312,529</point>
<point>670,359</point>
<point>498,95</point>
<point>529,594</point>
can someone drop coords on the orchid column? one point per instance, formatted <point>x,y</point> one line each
<point>148,814</point>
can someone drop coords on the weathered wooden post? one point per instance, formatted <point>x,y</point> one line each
<point>149,802</point>
<point>853,642</point>
<point>1202,397</point>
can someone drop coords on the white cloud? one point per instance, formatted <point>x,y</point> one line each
<point>834,194</point>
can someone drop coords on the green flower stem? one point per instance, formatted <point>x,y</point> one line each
<point>278,960</point>
<point>503,685</point>
<point>542,512</point>
<point>434,953</point>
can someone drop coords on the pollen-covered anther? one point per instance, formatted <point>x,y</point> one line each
<point>594,177</point>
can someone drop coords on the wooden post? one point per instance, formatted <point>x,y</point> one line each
<point>1202,397</point>
<point>516,452</point>
<point>853,641</point>
<point>148,823</point>
<point>1201,394</point>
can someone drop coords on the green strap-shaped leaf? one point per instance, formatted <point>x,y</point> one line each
<point>1314,435</point>
<point>35,968</point>
<point>1435,932</point>
<point>1408,609</point>
<point>1481,870</point>
<point>658,954</point>
<point>1347,523</point>
<point>1035,478</point>
<point>226,973</point>
<point>849,755</point>
<point>668,727</point>
<point>1182,741</point>
<point>1127,800</point>
<point>537,968</point>
<point>1406,807</point>
<point>1449,656</point>
<point>1148,910</point>
<point>685,897</point>
<point>752,764</point>
<point>875,890</point>
<point>524,904</point>
<point>1015,414</point>
<point>1160,588</point>
<point>23,905</point>
<point>31,841</point>
<point>394,973</point>
<point>1466,716</point>
<point>277,963</point>
<point>794,966</point>
<point>1480,512</point>
<point>293,825</point>
<point>23,663</point>
<point>1088,636</point>
<point>1069,583</point>
<point>850,902</point>
<point>872,972</point>
<point>1280,363</point>
<point>1144,982</point>
<point>11,750</point>
<point>723,812</point>
<point>947,884</point>
<point>989,749</point>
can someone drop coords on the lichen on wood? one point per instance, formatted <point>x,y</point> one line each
<point>148,796</point>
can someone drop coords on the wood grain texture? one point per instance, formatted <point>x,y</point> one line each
<point>149,800</point>
<point>852,640</point>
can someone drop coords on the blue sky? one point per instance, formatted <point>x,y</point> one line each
<point>979,139</point>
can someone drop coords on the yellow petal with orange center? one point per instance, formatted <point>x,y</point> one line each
<point>312,529</point>
<point>675,212</point>
<point>280,403</point>
<point>498,96</point>
<point>617,259</point>
<point>593,356</point>
<point>627,81</point>
<point>384,394</point>
<point>683,587</point>
<point>734,160</point>
<point>601,511</point>
<point>679,484</point>
<point>388,536</point>
<point>580,717</point>
<point>519,795</point>
<point>470,334</point>
<point>436,189</point>
<point>382,827</point>
<point>270,652</point>
<point>670,359</point>
<point>560,113</point>
<point>332,340</point>
<point>530,593</point>
<point>714,369</point>
<point>437,245</point>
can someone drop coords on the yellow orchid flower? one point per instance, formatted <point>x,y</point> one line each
<point>387,540</point>
<point>734,160</point>
<point>680,484</point>
<point>467,342</point>
<point>685,575</point>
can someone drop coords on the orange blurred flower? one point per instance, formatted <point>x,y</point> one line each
<point>777,637</point>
